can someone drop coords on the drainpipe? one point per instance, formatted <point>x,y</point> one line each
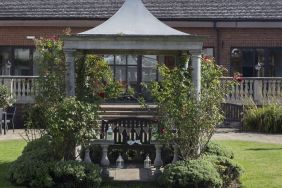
<point>217,42</point>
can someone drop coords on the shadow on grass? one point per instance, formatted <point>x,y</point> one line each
<point>263,149</point>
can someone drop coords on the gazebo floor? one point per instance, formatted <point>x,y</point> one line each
<point>133,174</point>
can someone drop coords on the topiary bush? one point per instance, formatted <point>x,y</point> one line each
<point>215,168</point>
<point>38,166</point>
<point>191,174</point>
<point>265,119</point>
<point>213,148</point>
<point>73,174</point>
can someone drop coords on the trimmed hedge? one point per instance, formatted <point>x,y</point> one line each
<point>38,167</point>
<point>214,169</point>
<point>266,119</point>
<point>193,173</point>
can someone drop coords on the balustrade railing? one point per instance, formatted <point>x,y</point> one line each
<point>23,88</point>
<point>260,90</point>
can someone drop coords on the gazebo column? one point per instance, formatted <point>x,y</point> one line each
<point>196,79</point>
<point>70,72</point>
<point>196,72</point>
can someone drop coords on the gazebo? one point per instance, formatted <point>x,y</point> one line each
<point>133,30</point>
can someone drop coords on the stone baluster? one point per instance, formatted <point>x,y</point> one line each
<point>258,91</point>
<point>87,158</point>
<point>264,89</point>
<point>251,91</point>
<point>105,163</point>
<point>175,154</point>
<point>158,160</point>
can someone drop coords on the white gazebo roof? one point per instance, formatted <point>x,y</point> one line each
<point>133,29</point>
<point>133,18</point>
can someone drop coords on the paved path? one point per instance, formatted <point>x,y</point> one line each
<point>233,134</point>
<point>13,136</point>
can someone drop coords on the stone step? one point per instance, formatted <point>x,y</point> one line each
<point>107,117</point>
<point>126,112</point>
<point>132,174</point>
<point>127,107</point>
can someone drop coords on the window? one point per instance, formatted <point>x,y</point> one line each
<point>252,62</point>
<point>21,59</point>
<point>131,70</point>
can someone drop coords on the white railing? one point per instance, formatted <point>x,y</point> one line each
<point>23,88</point>
<point>260,90</point>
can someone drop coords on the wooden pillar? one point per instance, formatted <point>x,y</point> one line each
<point>196,72</point>
<point>70,72</point>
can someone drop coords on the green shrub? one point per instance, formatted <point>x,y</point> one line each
<point>38,167</point>
<point>71,123</point>
<point>6,98</point>
<point>214,169</point>
<point>216,149</point>
<point>193,173</point>
<point>31,168</point>
<point>266,119</point>
<point>73,174</point>
<point>229,170</point>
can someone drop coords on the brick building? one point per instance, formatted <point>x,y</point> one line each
<point>241,33</point>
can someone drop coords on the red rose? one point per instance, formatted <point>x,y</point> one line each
<point>102,94</point>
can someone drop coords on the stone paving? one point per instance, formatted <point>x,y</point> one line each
<point>235,134</point>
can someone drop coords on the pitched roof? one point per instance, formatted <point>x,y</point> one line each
<point>163,9</point>
<point>133,19</point>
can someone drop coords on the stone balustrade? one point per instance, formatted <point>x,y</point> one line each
<point>261,90</point>
<point>23,88</point>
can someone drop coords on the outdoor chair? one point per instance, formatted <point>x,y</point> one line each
<point>1,118</point>
<point>11,112</point>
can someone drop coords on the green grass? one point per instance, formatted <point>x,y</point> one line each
<point>262,163</point>
<point>9,151</point>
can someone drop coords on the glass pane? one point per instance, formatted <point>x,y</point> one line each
<point>5,59</point>
<point>120,75</point>
<point>23,64</point>
<point>131,60</point>
<point>149,68</point>
<point>120,59</point>
<point>110,59</point>
<point>275,63</point>
<point>208,52</point>
<point>132,76</point>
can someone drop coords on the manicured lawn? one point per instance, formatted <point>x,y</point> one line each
<point>9,151</point>
<point>262,163</point>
